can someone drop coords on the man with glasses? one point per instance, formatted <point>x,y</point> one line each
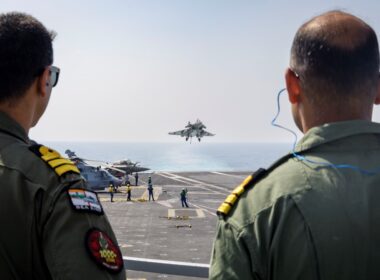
<point>52,227</point>
<point>315,213</point>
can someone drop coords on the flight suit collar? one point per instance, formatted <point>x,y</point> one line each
<point>11,127</point>
<point>333,131</point>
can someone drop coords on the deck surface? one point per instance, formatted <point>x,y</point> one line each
<point>163,229</point>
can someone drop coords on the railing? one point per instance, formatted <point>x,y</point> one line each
<point>167,267</point>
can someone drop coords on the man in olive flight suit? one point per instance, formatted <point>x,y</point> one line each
<point>51,226</point>
<point>315,214</point>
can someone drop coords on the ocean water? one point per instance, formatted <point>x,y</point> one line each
<point>182,156</point>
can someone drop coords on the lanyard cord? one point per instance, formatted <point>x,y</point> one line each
<point>303,158</point>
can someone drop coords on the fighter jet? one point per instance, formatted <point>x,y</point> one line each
<point>127,166</point>
<point>193,130</point>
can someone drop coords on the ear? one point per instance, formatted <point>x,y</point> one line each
<point>377,99</point>
<point>43,82</point>
<point>292,86</point>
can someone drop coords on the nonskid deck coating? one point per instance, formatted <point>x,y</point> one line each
<point>163,229</point>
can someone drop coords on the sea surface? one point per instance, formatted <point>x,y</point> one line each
<point>179,157</point>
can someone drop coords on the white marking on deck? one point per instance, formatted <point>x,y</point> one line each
<point>205,193</point>
<point>189,181</point>
<point>230,175</point>
<point>211,208</point>
<point>204,209</point>
<point>199,212</point>
<point>165,203</point>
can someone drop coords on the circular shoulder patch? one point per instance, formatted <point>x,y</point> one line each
<point>104,251</point>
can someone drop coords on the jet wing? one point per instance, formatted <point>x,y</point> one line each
<point>180,132</point>
<point>205,133</point>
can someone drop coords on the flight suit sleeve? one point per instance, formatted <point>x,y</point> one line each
<point>230,257</point>
<point>79,243</point>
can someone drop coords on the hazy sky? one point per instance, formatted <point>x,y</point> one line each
<point>135,70</point>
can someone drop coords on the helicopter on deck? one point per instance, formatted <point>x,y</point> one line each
<point>96,177</point>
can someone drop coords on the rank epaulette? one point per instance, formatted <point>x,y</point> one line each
<point>225,208</point>
<point>230,201</point>
<point>60,164</point>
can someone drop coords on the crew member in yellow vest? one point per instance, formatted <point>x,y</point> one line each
<point>129,190</point>
<point>111,190</point>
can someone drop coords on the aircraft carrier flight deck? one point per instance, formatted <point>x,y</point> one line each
<point>163,229</point>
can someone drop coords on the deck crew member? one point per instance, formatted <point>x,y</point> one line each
<point>183,195</point>
<point>137,178</point>
<point>150,188</point>
<point>315,214</point>
<point>129,190</point>
<point>111,190</point>
<point>52,227</point>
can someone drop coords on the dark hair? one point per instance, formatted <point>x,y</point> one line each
<point>25,50</point>
<point>338,58</point>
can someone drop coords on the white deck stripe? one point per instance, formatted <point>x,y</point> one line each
<point>164,174</point>
<point>204,209</point>
<point>212,209</point>
<point>174,177</point>
<point>230,175</point>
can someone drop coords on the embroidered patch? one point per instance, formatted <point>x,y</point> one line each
<point>84,200</point>
<point>104,251</point>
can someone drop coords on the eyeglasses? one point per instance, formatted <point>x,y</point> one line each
<point>53,75</point>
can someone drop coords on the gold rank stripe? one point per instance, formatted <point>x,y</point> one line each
<point>59,164</point>
<point>60,161</point>
<point>226,206</point>
<point>48,154</point>
<point>60,170</point>
<point>50,157</point>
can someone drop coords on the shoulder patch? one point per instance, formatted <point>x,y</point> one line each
<point>85,200</point>
<point>60,164</point>
<point>230,201</point>
<point>103,250</point>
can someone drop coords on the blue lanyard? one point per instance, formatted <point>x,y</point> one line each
<point>321,163</point>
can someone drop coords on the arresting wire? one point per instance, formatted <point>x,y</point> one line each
<point>303,158</point>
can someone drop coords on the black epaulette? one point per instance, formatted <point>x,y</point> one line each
<point>225,208</point>
<point>54,160</point>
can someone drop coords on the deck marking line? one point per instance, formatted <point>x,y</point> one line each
<point>204,209</point>
<point>189,183</point>
<point>230,175</point>
<point>196,181</point>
